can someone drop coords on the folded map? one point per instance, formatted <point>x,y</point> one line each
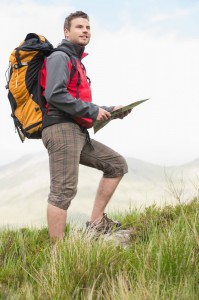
<point>97,125</point>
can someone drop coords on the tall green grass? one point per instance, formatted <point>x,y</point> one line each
<point>161,260</point>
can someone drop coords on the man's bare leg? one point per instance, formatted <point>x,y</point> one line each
<point>105,191</point>
<point>56,222</point>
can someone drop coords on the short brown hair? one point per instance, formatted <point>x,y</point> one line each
<point>77,14</point>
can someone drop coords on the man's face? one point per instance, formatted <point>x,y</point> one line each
<point>79,32</point>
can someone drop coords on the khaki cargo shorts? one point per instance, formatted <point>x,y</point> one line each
<point>68,147</point>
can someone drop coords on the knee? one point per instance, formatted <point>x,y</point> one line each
<point>62,200</point>
<point>117,168</point>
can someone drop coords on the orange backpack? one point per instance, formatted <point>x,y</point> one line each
<point>24,92</point>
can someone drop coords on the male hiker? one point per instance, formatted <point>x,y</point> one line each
<point>70,113</point>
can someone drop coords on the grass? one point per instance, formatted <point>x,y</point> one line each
<point>160,262</point>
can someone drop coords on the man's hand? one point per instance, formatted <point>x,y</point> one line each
<point>103,115</point>
<point>122,114</point>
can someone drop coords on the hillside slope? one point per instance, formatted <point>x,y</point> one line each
<point>24,187</point>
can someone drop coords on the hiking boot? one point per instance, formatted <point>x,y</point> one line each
<point>104,226</point>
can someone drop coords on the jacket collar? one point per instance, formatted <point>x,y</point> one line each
<point>75,50</point>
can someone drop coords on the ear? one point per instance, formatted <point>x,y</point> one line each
<point>66,33</point>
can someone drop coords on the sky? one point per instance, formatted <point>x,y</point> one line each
<point>138,49</point>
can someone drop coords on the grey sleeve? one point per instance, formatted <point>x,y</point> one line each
<point>56,92</point>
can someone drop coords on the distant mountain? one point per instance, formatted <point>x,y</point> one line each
<point>24,188</point>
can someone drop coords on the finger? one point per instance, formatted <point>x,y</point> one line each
<point>107,114</point>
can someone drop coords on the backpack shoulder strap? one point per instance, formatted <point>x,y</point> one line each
<point>73,70</point>
<point>72,58</point>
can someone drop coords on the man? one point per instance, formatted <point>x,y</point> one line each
<point>70,112</point>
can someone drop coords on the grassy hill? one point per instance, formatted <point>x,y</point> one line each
<point>24,187</point>
<point>161,260</point>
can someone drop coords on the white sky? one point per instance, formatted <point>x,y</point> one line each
<point>139,49</point>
